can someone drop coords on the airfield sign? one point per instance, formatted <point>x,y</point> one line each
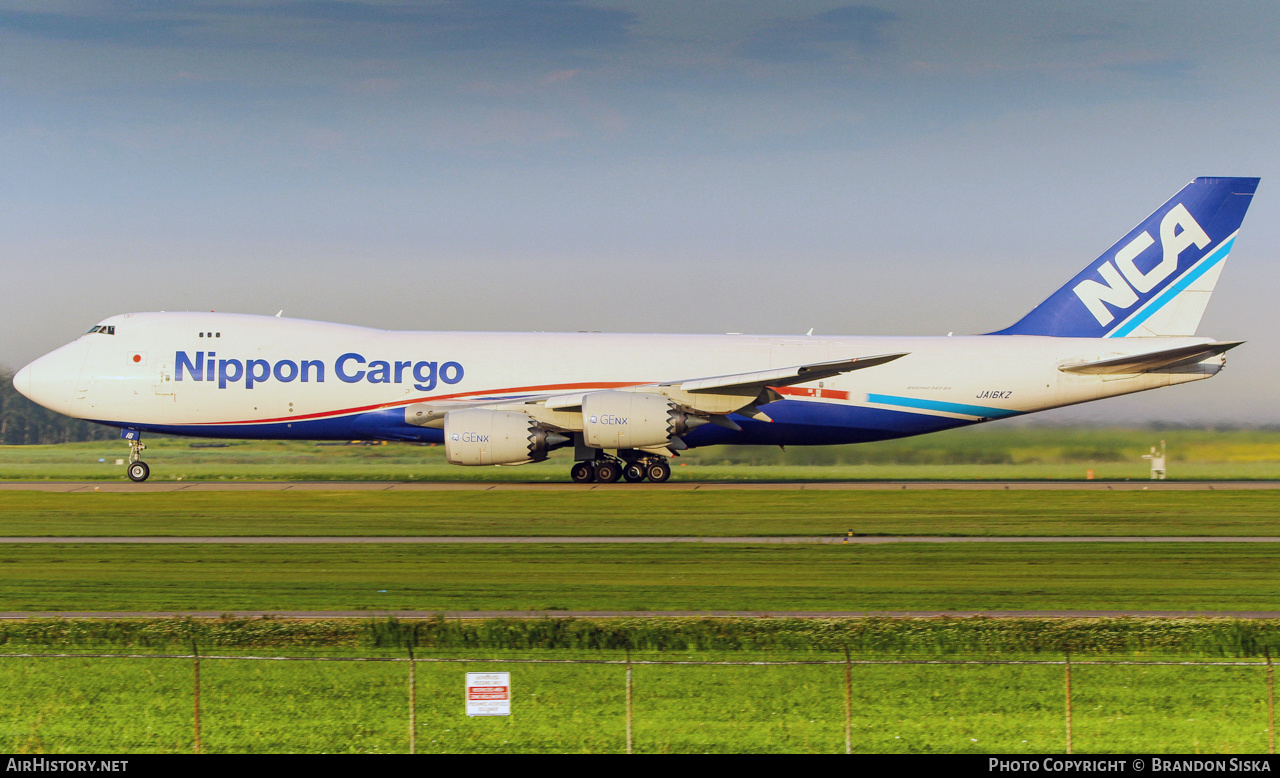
<point>488,694</point>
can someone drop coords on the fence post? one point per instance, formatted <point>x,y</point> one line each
<point>413,702</point>
<point>628,700</point>
<point>195,655</point>
<point>848,702</point>
<point>1069,745</point>
<point>1271,707</point>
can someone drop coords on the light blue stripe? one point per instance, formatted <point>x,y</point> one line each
<point>945,407</point>
<point>1173,290</point>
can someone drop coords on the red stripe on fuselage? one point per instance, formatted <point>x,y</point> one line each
<point>824,394</point>
<point>398,403</point>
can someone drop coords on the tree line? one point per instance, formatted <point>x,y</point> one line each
<point>23,423</point>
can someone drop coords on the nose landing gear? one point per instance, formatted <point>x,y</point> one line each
<point>138,470</point>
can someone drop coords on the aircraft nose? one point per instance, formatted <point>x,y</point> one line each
<point>22,381</point>
<point>50,380</point>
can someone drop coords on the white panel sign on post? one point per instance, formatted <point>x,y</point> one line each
<point>488,694</point>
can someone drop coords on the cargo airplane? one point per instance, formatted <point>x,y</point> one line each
<point>625,403</point>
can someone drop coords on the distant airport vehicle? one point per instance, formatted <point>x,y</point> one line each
<point>626,403</point>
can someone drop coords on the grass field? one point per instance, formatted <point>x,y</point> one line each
<point>657,577</point>
<point>117,705</point>
<point>644,513</point>
<point>140,706</point>
<point>641,577</point>
<point>1013,576</point>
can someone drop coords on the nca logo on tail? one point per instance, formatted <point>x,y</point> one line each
<point>1178,232</point>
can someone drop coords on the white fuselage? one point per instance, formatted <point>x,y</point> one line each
<point>232,375</point>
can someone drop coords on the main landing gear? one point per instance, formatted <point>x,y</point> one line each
<point>137,470</point>
<point>610,469</point>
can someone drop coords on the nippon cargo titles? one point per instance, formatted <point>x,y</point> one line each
<point>350,368</point>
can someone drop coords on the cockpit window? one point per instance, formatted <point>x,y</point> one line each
<point>104,329</point>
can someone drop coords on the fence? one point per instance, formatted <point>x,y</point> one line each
<point>69,702</point>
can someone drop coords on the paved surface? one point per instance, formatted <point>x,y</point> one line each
<point>677,486</point>
<point>602,540</point>
<point>370,614</point>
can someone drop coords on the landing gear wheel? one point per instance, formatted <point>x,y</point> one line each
<point>583,473</point>
<point>658,471</point>
<point>138,471</point>
<point>633,472</point>
<point>608,472</point>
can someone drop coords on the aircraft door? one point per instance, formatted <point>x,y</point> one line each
<point>164,380</point>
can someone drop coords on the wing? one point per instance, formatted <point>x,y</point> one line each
<point>784,376</point>
<point>712,396</point>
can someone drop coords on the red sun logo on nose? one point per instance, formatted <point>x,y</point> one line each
<point>137,357</point>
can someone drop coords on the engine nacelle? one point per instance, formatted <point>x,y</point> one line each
<point>633,420</point>
<point>480,437</point>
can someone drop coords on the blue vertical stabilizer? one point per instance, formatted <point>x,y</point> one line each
<point>1156,280</point>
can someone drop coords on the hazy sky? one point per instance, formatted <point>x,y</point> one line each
<point>682,166</point>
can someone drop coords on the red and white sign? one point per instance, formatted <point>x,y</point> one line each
<point>488,694</point>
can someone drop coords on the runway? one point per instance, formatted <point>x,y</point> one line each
<point>560,540</point>
<point>676,486</point>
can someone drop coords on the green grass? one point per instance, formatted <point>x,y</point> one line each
<point>1012,576</point>
<point>117,705</point>
<point>134,705</point>
<point>641,577</point>
<point>881,637</point>
<point>51,705</point>
<point>643,513</point>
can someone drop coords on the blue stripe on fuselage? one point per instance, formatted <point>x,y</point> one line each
<point>981,411</point>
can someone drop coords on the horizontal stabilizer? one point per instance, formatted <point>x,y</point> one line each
<point>1153,360</point>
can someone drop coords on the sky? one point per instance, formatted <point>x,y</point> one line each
<point>893,168</point>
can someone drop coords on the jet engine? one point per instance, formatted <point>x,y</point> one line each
<point>633,420</point>
<point>481,437</point>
